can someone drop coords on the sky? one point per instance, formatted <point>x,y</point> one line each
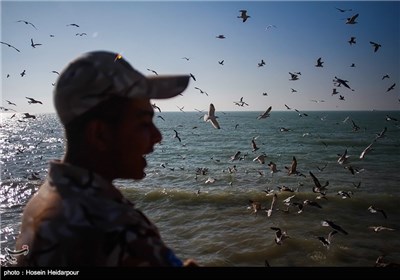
<point>288,35</point>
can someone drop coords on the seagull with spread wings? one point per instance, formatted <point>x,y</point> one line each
<point>391,87</point>
<point>375,45</point>
<point>243,15</point>
<point>27,22</point>
<point>265,114</point>
<point>33,101</point>
<point>319,62</point>
<point>352,19</point>
<point>211,116</point>
<point>11,103</point>
<point>375,210</point>
<point>352,40</point>
<point>34,44</point>
<point>151,70</point>
<point>366,150</point>
<point>201,91</point>
<point>327,241</point>
<point>11,46</point>
<point>156,107</point>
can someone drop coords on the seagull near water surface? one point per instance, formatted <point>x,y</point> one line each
<point>327,241</point>
<point>265,114</point>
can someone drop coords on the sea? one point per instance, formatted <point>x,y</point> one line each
<point>198,193</point>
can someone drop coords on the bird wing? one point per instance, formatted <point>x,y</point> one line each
<point>215,123</point>
<point>331,234</point>
<point>316,182</point>
<point>294,165</point>
<point>211,110</point>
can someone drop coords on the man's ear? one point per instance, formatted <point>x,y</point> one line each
<point>98,134</point>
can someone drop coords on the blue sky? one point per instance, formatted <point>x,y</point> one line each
<point>157,35</point>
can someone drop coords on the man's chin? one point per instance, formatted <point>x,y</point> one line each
<point>141,176</point>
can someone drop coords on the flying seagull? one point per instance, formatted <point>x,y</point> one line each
<point>177,136</point>
<point>279,235</point>
<point>243,15</point>
<point>319,63</point>
<point>211,116</point>
<point>352,20</point>
<point>262,63</point>
<point>33,101</point>
<point>29,116</point>
<point>151,70</point>
<point>11,103</point>
<point>343,10</point>
<point>352,40</point>
<point>374,210</point>
<point>265,114</point>
<point>366,150</point>
<point>327,241</point>
<point>11,46</point>
<point>342,82</point>
<point>327,223</point>
<point>269,26</point>
<point>318,187</point>
<point>380,228</point>
<point>34,44</point>
<point>375,45</point>
<point>201,91</point>
<point>156,107</point>
<point>293,77</point>
<point>391,87</point>
<point>27,22</point>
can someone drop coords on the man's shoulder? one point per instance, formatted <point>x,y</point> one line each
<point>45,202</point>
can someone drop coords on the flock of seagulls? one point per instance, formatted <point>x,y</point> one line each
<point>244,16</point>
<point>34,45</point>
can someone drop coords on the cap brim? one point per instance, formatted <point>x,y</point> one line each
<point>162,87</point>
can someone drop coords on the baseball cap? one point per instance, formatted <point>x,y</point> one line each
<point>97,76</point>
